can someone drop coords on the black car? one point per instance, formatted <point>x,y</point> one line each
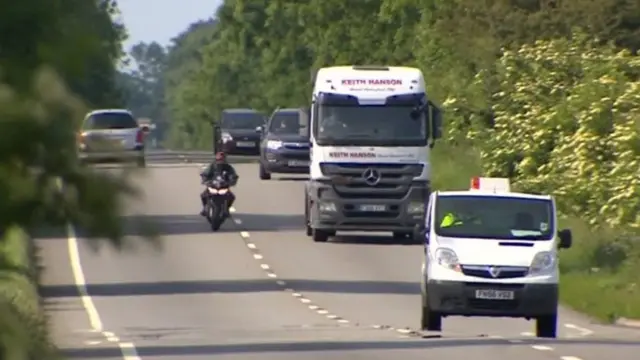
<point>238,131</point>
<point>285,144</point>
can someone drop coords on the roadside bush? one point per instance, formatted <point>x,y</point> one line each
<point>566,121</point>
<point>23,329</point>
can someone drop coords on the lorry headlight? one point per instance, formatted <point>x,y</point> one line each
<point>448,258</point>
<point>274,144</point>
<point>542,263</point>
<point>226,137</point>
<point>327,207</point>
<point>415,208</point>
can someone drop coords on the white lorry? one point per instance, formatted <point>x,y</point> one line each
<point>372,128</point>
<point>491,252</point>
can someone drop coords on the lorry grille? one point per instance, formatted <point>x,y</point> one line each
<point>349,182</point>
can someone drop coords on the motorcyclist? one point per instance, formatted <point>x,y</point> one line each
<point>219,167</point>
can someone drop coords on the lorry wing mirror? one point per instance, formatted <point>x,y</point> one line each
<point>435,120</point>
<point>566,239</point>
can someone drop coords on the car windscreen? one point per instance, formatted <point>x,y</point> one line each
<point>289,123</point>
<point>494,217</point>
<point>242,120</point>
<point>106,121</point>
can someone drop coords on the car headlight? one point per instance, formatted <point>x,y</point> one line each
<point>226,137</point>
<point>274,144</point>
<point>415,208</point>
<point>447,258</point>
<point>543,262</point>
<point>212,190</point>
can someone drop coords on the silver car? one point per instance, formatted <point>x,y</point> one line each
<point>111,135</point>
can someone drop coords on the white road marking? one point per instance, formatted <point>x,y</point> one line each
<point>527,334</point>
<point>570,358</point>
<point>128,350</point>
<point>542,348</point>
<point>581,330</point>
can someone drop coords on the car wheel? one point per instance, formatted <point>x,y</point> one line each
<point>264,175</point>
<point>319,235</point>
<point>141,162</point>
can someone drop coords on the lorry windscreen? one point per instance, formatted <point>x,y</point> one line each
<point>370,125</point>
<point>494,217</point>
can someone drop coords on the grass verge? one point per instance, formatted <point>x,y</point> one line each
<point>23,330</point>
<point>599,273</point>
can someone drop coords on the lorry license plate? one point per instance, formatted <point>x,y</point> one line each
<point>245,144</point>
<point>298,163</point>
<point>494,294</point>
<point>372,208</point>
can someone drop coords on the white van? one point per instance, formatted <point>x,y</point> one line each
<point>492,252</point>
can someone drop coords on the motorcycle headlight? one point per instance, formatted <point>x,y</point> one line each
<point>447,258</point>
<point>274,144</point>
<point>543,262</point>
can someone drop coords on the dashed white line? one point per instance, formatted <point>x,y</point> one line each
<point>570,358</point>
<point>542,347</point>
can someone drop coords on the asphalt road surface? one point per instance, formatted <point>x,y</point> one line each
<point>261,289</point>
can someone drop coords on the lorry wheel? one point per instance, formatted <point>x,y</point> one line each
<point>306,219</point>
<point>264,175</point>
<point>431,321</point>
<point>319,235</point>
<point>547,326</point>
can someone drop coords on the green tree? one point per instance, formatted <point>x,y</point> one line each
<point>58,59</point>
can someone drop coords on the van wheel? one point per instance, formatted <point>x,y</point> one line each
<point>319,235</point>
<point>264,175</point>
<point>547,326</point>
<point>431,321</point>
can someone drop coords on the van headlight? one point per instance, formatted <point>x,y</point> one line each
<point>447,258</point>
<point>226,137</point>
<point>542,263</point>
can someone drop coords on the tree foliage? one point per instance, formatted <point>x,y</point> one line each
<point>477,56</point>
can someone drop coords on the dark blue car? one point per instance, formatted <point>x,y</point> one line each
<point>285,144</point>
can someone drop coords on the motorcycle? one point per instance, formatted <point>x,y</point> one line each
<point>216,205</point>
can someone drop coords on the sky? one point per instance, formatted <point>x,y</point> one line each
<point>162,20</point>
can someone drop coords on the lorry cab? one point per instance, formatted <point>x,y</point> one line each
<point>372,129</point>
<point>491,252</point>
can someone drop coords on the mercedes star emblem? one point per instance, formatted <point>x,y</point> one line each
<point>371,177</point>
<point>494,271</point>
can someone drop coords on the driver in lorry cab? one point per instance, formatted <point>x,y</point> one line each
<point>219,167</point>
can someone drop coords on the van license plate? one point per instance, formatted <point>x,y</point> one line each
<point>495,294</point>
<point>372,208</point>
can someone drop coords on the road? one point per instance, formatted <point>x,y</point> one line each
<point>261,289</point>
